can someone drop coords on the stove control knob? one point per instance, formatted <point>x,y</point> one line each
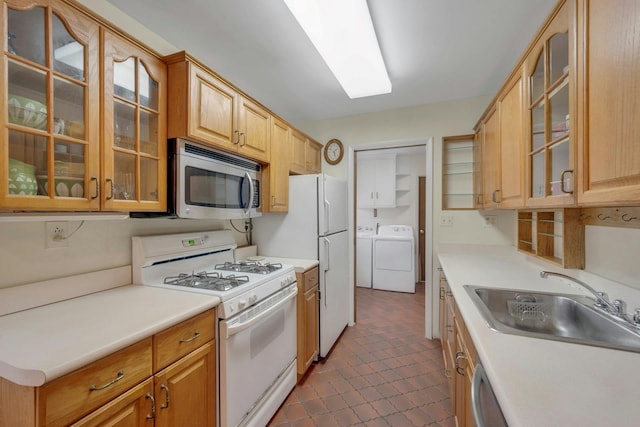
<point>242,304</point>
<point>253,299</point>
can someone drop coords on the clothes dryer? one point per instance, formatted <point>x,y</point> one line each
<point>394,259</point>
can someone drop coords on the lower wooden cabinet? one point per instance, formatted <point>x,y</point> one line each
<point>308,338</point>
<point>459,354</point>
<point>144,384</point>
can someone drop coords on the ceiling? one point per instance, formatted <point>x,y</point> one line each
<point>435,50</point>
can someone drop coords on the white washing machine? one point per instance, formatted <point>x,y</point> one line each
<point>364,254</point>
<point>394,259</point>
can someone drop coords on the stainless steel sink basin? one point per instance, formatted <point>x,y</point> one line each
<point>561,317</point>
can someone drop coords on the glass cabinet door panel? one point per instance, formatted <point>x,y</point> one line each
<point>558,56</point>
<point>559,154</point>
<point>124,125</point>
<point>148,181</point>
<point>26,34</point>
<point>124,185</point>
<point>68,106</point>
<point>537,126</point>
<point>27,163</point>
<point>538,175</point>
<point>27,100</point>
<point>537,80</point>
<point>68,53</point>
<point>559,111</point>
<point>124,79</point>
<point>148,133</point>
<point>148,89</point>
<point>68,174</point>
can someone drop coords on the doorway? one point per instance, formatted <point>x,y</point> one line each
<point>422,226</point>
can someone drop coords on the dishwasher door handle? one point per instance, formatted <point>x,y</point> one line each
<point>497,418</point>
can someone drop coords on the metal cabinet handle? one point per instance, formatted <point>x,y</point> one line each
<point>494,199</point>
<point>110,383</point>
<point>166,400</point>
<point>153,406</point>
<point>273,200</point>
<point>97,193</point>
<point>459,357</point>
<point>195,336</point>
<point>236,140</point>
<point>562,175</point>
<point>110,182</point>
<point>441,294</point>
<point>244,139</point>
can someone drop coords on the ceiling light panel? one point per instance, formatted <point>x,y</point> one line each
<point>343,34</point>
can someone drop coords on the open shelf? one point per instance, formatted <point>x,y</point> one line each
<point>458,172</point>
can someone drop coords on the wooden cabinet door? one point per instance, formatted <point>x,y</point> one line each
<point>134,174</point>
<point>212,106</point>
<point>132,409</point>
<point>277,198</point>
<point>50,114</point>
<point>490,160</point>
<point>298,152</point>
<point>311,326</point>
<point>608,107</point>
<point>255,132</point>
<point>185,392</point>
<point>313,155</point>
<point>512,147</point>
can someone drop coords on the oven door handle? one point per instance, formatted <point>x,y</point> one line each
<point>231,330</point>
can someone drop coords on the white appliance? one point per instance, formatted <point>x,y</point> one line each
<point>364,255</point>
<point>314,228</point>
<point>394,259</point>
<point>256,333</point>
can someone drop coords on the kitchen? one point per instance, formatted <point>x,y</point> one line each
<point>105,244</point>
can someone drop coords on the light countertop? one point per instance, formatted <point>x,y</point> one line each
<point>300,265</point>
<point>43,343</point>
<point>542,382</point>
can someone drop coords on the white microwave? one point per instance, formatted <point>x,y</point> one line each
<point>212,184</point>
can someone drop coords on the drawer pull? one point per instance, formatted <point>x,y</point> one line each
<point>110,383</point>
<point>166,401</point>
<point>153,406</point>
<point>313,279</point>
<point>194,337</point>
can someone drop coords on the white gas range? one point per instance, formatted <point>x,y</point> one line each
<point>256,319</point>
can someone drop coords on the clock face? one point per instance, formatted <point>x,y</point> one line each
<point>333,151</point>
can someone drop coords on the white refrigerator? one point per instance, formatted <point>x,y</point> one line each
<point>315,227</point>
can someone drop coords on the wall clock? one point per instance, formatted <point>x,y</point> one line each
<point>333,151</point>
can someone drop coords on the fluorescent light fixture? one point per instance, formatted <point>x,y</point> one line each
<point>342,32</point>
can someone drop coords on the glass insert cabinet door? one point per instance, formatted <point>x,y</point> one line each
<point>550,139</point>
<point>50,149</point>
<point>135,128</point>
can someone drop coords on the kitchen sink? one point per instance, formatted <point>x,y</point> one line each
<point>561,317</point>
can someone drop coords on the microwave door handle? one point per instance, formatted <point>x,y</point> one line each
<point>246,174</point>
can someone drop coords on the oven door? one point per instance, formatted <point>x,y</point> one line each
<point>257,350</point>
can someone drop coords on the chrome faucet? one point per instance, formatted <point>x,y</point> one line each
<point>602,301</point>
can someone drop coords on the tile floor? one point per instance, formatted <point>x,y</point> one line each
<point>381,372</point>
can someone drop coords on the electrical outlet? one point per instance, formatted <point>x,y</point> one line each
<point>55,233</point>
<point>446,221</point>
<point>490,220</point>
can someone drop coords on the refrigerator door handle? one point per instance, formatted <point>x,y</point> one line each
<point>327,216</point>
<point>327,247</point>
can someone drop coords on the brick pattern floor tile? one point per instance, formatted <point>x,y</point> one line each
<point>381,372</point>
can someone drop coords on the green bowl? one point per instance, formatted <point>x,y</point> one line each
<point>22,178</point>
<point>27,112</point>
<point>64,186</point>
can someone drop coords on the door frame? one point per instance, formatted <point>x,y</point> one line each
<point>430,294</point>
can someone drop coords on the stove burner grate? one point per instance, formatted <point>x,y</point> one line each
<point>207,280</point>
<point>249,267</point>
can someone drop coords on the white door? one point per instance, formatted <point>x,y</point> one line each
<point>334,289</point>
<point>332,205</point>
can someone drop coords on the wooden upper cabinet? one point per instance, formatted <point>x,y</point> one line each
<point>306,154</point>
<point>50,114</point>
<point>254,124</point>
<point>134,174</point>
<point>512,146</point>
<point>550,102</point>
<point>276,174</point>
<point>489,131</point>
<point>608,102</point>
<point>203,107</point>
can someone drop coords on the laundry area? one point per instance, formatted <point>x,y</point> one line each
<point>387,217</point>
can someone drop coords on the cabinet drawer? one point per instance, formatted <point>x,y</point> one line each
<point>175,342</point>
<point>69,397</point>
<point>310,279</point>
